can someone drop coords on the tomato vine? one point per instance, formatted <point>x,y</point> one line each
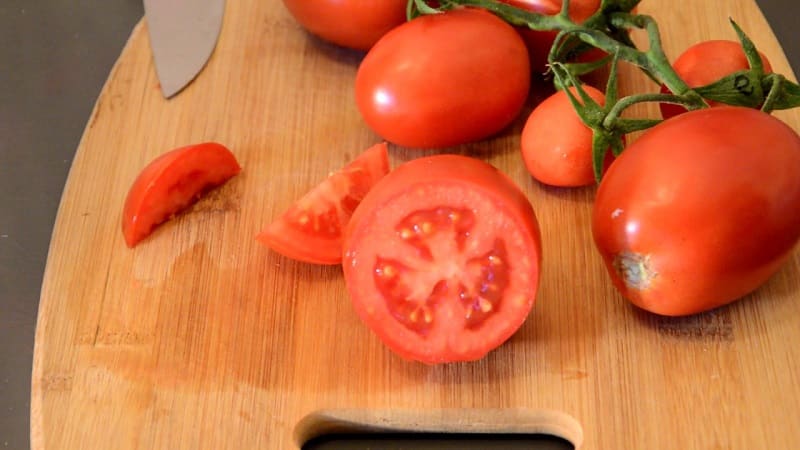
<point>609,30</point>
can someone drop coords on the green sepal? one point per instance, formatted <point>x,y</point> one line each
<point>416,8</point>
<point>601,143</point>
<point>625,126</point>
<point>741,88</point>
<point>782,93</point>
<point>750,50</point>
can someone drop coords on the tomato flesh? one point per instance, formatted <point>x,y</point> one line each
<point>311,229</point>
<point>442,259</point>
<point>171,183</point>
<point>700,210</point>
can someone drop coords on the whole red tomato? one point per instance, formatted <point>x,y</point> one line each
<point>700,210</point>
<point>355,24</point>
<point>706,62</point>
<point>444,79</point>
<point>442,259</point>
<point>556,144</point>
<point>540,42</point>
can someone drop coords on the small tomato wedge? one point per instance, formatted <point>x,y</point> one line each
<point>442,259</point>
<point>172,182</point>
<point>311,229</point>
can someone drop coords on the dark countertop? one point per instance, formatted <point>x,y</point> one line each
<point>55,56</point>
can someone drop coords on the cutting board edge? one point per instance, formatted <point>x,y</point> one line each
<point>37,437</point>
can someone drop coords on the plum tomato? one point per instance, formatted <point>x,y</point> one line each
<point>700,210</point>
<point>355,24</point>
<point>540,42</point>
<point>172,182</point>
<point>311,229</point>
<point>442,259</point>
<point>556,144</point>
<point>444,79</point>
<point>706,62</point>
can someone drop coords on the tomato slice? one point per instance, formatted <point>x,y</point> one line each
<point>172,182</point>
<point>311,229</point>
<point>442,259</point>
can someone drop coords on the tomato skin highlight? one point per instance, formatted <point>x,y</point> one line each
<point>453,239</point>
<point>556,145</point>
<point>355,24</point>
<point>172,182</point>
<point>434,82</point>
<point>311,229</point>
<point>706,62</point>
<point>701,210</point>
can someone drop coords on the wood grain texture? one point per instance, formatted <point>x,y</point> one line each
<point>201,338</point>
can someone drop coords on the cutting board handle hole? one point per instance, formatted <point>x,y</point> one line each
<point>465,429</point>
<point>437,441</point>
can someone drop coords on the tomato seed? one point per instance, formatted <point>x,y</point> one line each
<point>388,272</point>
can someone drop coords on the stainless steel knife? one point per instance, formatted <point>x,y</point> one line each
<point>183,34</point>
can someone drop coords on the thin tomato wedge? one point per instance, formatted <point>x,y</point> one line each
<point>311,229</point>
<point>442,259</point>
<point>172,182</point>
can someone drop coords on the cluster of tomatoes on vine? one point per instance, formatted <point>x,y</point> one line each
<point>442,255</point>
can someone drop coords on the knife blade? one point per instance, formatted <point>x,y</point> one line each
<point>183,34</point>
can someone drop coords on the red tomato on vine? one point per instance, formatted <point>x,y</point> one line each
<point>556,145</point>
<point>700,210</point>
<point>540,42</point>
<point>706,62</point>
<point>434,82</point>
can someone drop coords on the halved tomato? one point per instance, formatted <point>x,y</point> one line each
<point>172,182</point>
<point>311,229</point>
<point>442,259</point>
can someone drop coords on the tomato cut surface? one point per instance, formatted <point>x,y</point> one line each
<point>311,229</point>
<point>442,259</point>
<point>172,182</point>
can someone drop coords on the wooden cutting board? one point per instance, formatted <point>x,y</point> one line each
<point>201,338</point>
